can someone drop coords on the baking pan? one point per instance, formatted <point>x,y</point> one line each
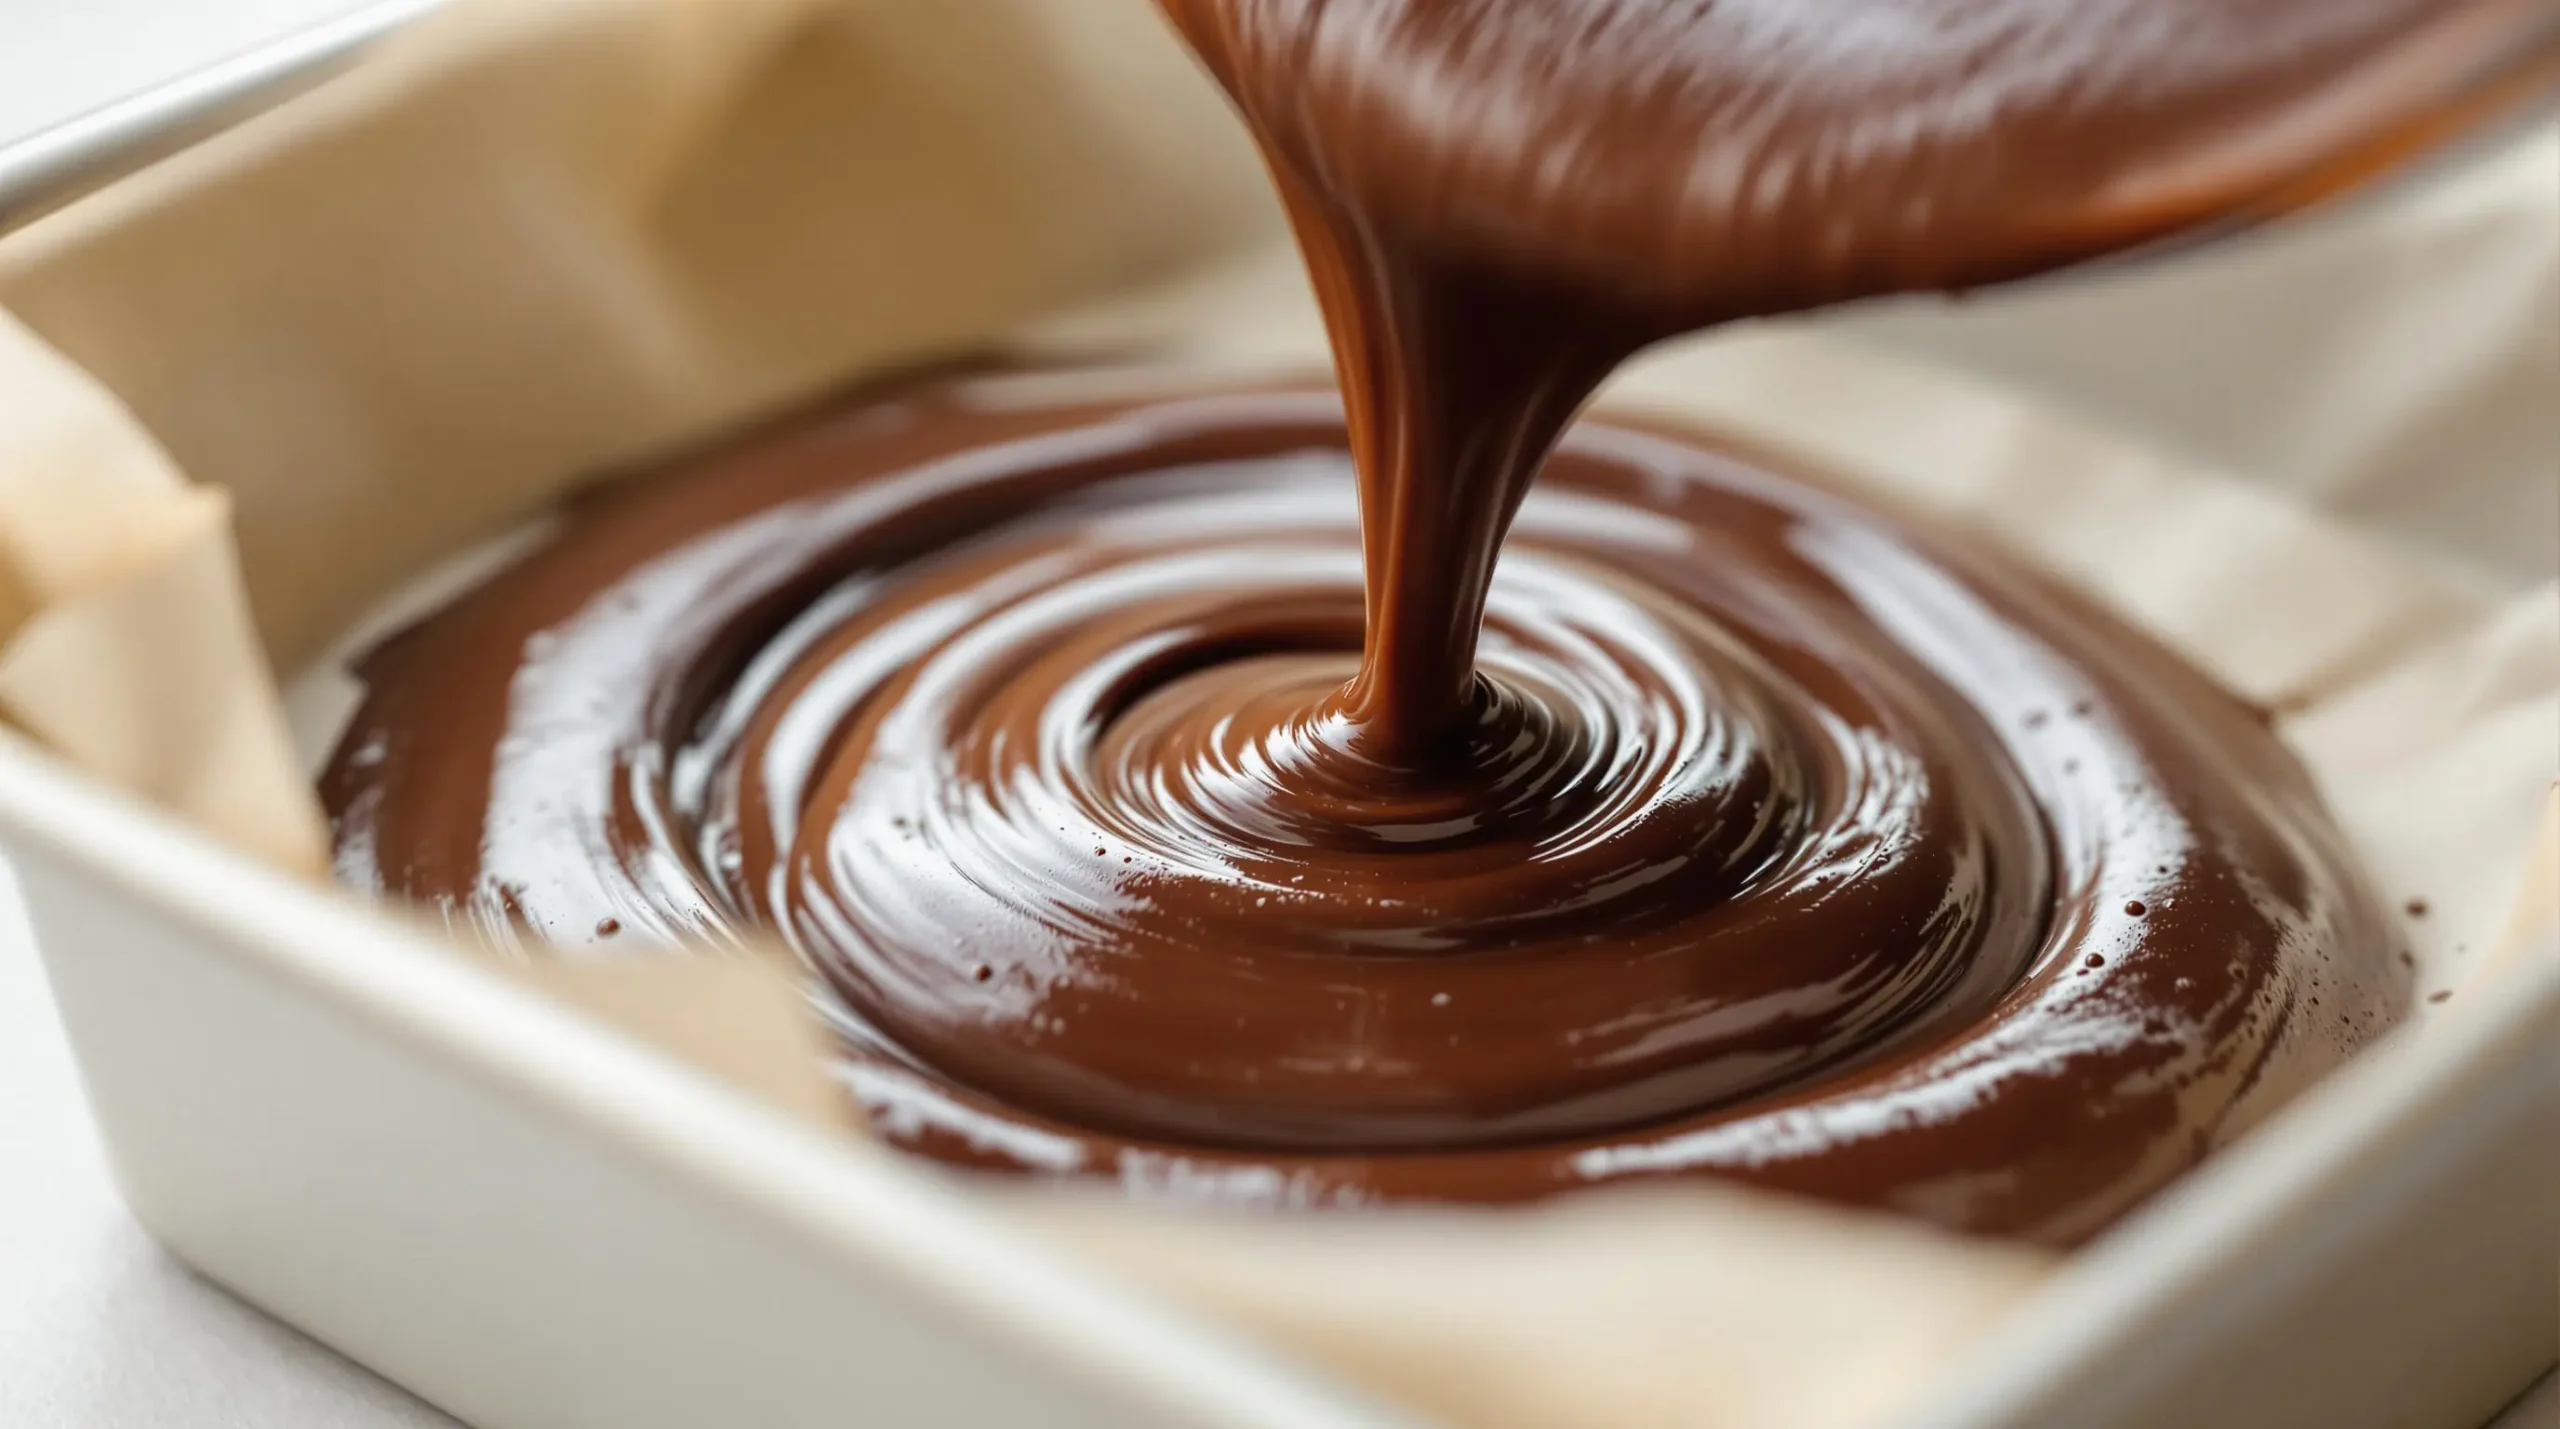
<point>531,1221</point>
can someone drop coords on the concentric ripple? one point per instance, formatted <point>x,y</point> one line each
<point>1772,845</point>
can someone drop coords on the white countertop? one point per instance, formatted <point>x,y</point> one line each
<point>99,1329</point>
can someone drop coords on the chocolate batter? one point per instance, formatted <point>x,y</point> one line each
<point>1152,810</point>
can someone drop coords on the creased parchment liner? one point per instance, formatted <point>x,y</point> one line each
<point>533,240</point>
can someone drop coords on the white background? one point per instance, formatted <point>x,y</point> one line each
<point>98,1328</point>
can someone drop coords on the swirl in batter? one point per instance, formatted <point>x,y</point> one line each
<point>1774,843</point>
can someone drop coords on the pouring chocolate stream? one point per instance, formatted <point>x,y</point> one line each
<point>1150,809</point>
<point>1502,200</point>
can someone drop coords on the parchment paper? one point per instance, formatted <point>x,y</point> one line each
<point>384,326</point>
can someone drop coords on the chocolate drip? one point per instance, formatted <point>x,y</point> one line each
<point>1499,201</point>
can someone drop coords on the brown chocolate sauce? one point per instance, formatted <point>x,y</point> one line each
<point>1781,844</point>
<point>1151,809</point>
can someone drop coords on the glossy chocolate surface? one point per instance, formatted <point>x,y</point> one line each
<point>1175,791</point>
<point>1695,161</point>
<point>1779,844</point>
